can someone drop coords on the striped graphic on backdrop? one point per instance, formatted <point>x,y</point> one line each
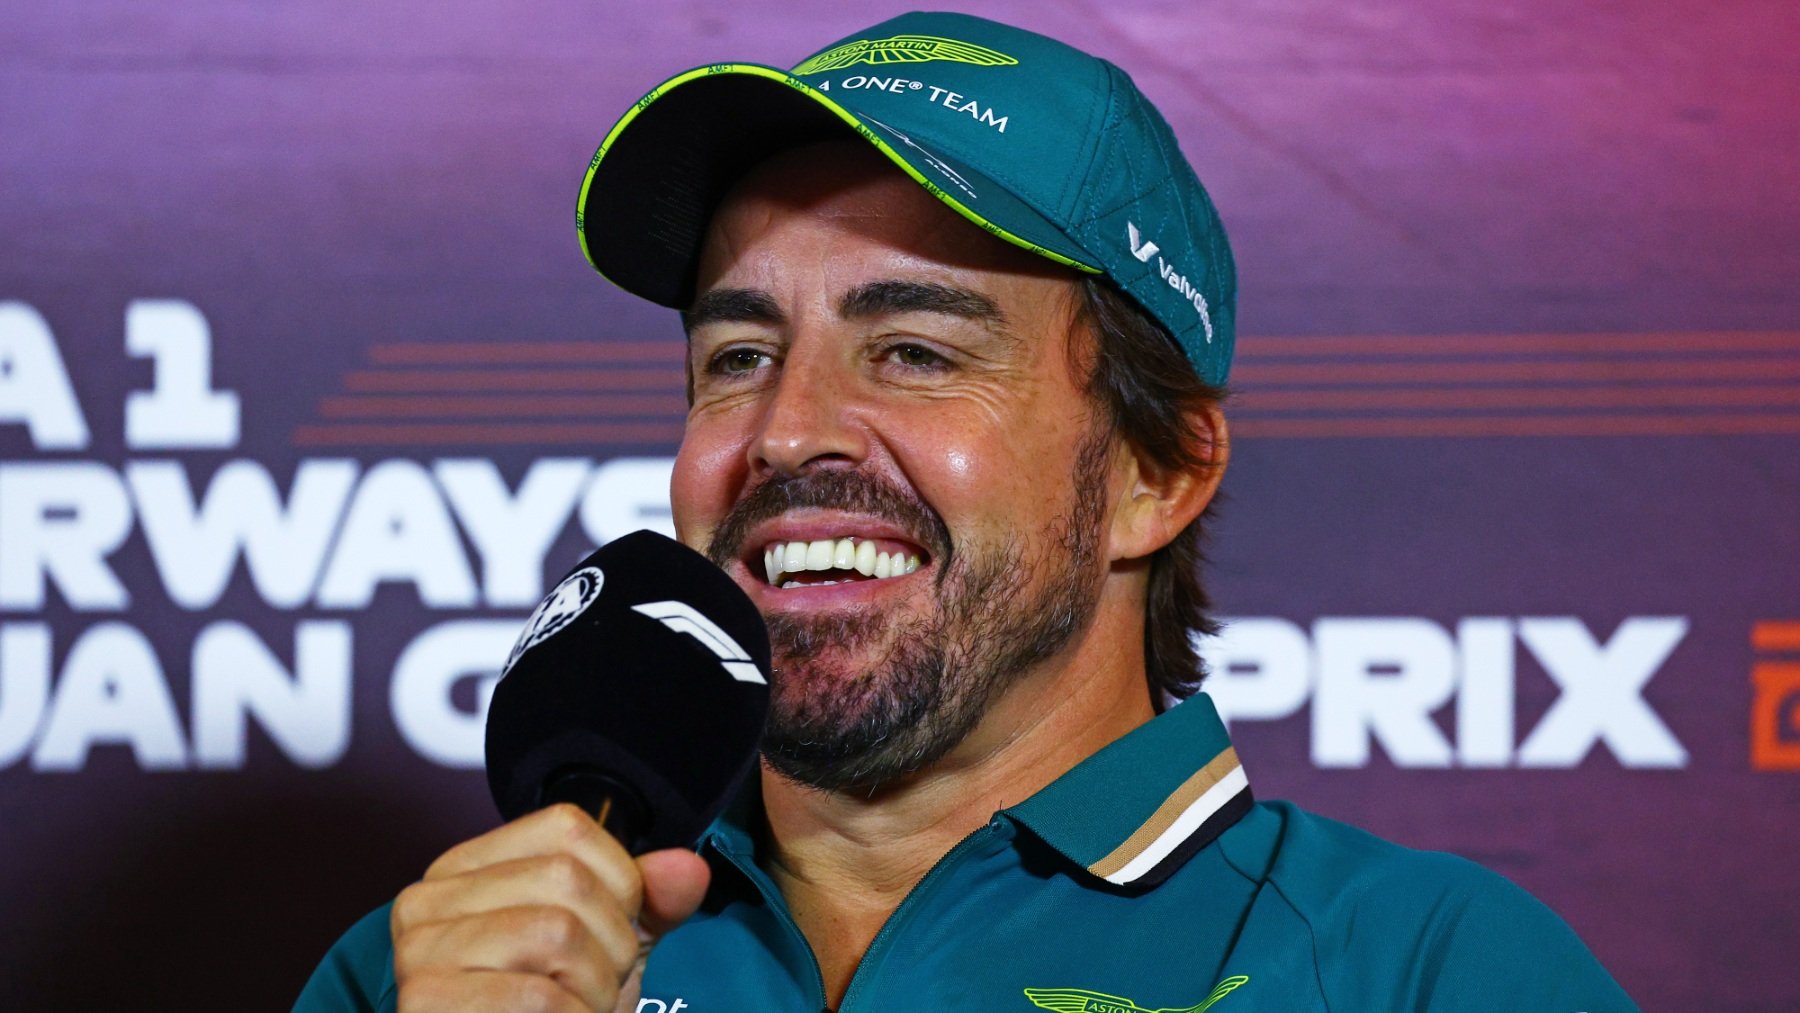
<point>516,393</point>
<point>596,394</point>
<point>1659,384</point>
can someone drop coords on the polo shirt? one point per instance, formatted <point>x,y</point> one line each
<point>1145,879</point>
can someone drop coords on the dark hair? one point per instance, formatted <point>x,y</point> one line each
<point>1153,399</point>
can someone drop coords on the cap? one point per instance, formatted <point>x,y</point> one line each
<point>1036,142</point>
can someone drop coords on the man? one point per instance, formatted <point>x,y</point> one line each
<point>958,315</point>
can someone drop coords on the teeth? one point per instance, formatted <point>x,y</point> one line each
<point>781,559</point>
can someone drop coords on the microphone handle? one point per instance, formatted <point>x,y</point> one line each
<point>617,805</point>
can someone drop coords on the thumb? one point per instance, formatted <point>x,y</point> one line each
<point>675,882</point>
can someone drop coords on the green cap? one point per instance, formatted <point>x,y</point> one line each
<point>1040,144</point>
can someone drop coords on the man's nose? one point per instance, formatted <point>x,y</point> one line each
<point>809,418</point>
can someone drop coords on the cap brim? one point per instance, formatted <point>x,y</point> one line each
<point>663,168</point>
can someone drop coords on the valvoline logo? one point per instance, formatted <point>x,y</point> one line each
<point>1143,249</point>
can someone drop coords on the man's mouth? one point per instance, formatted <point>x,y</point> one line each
<point>837,560</point>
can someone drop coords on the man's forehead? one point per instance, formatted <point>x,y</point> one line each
<point>866,300</point>
<point>841,215</point>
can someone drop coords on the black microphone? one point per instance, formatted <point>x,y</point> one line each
<point>637,691</point>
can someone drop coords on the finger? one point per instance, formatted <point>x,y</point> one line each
<point>631,991</point>
<point>557,828</point>
<point>541,881</point>
<point>549,942</point>
<point>486,990</point>
<point>675,883</point>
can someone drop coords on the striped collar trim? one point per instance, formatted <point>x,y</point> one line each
<point>1189,819</point>
<point>1135,812</point>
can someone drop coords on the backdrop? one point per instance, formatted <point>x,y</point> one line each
<point>305,390</point>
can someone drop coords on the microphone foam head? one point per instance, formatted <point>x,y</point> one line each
<point>646,664</point>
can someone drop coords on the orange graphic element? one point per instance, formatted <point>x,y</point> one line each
<point>516,406</point>
<point>1775,708</point>
<point>516,353</point>
<point>1338,427</point>
<point>363,381</point>
<point>1252,373</point>
<point>1291,399</point>
<point>1639,343</point>
<point>483,434</point>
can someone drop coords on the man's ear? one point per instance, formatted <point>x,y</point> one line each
<point>1159,502</point>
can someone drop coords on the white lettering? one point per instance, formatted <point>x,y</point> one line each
<point>306,712</point>
<point>34,383</point>
<point>1380,679</point>
<point>196,549</point>
<point>1602,692</point>
<point>111,691</point>
<point>24,686</point>
<point>58,523</point>
<point>1258,669</point>
<point>397,529</point>
<point>626,494</point>
<point>512,532</point>
<point>181,409</point>
<point>431,665</point>
<point>1484,700</point>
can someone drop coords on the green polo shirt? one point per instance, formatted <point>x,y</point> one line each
<point>1144,879</point>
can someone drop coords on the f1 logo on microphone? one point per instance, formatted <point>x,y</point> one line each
<point>684,618</point>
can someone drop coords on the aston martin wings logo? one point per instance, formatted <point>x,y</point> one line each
<point>1080,1000</point>
<point>903,49</point>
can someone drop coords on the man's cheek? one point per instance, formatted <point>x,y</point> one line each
<point>699,492</point>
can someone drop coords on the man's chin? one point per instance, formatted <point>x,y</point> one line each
<point>847,728</point>
<point>834,689</point>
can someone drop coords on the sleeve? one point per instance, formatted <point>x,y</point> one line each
<point>1492,946</point>
<point>357,974</point>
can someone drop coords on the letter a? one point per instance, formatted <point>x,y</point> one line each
<point>34,384</point>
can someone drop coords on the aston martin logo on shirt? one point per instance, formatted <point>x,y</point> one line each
<point>903,49</point>
<point>1080,1000</point>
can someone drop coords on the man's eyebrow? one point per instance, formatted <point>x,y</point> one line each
<point>877,298</point>
<point>732,305</point>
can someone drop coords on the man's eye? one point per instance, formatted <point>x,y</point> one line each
<point>915,356</point>
<point>739,360</point>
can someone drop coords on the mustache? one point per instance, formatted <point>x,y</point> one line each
<point>831,489</point>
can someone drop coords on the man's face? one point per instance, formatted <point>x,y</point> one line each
<point>889,451</point>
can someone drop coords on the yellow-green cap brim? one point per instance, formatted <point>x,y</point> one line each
<point>655,180</point>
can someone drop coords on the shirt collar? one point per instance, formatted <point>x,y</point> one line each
<point>1138,809</point>
<point>1131,814</point>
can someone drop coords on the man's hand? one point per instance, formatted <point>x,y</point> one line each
<point>546,913</point>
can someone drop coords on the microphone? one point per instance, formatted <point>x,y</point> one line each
<point>637,691</point>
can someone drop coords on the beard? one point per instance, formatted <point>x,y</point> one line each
<point>998,613</point>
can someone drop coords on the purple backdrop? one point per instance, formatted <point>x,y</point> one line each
<point>1511,520</point>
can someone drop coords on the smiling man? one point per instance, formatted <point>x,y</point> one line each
<point>958,315</point>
